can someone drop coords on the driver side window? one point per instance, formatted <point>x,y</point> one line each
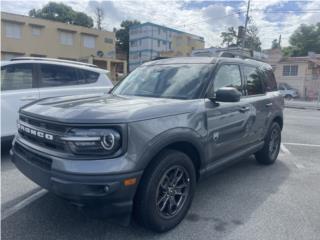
<point>228,76</point>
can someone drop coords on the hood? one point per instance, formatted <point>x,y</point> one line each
<point>106,108</point>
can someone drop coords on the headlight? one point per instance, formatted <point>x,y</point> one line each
<point>93,141</point>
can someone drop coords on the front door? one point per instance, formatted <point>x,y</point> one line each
<point>228,123</point>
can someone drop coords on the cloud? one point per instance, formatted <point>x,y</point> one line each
<point>204,18</point>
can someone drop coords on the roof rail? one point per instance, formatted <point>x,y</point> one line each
<point>238,55</point>
<point>53,60</point>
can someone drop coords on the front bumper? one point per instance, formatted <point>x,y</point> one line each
<point>88,189</point>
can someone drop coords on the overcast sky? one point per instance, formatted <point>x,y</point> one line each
<point>204,18</point>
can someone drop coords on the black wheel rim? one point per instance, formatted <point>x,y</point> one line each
<point>172,191</point>
<point>274,144</point>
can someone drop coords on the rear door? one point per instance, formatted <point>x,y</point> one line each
<point>256,96</point>
<point>227,122</point>
<point>59,80</point>
<point>18,88</point>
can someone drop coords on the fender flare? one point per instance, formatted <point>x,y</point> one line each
<point>172,136</point>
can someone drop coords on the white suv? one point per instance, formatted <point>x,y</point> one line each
<point>27,79</point>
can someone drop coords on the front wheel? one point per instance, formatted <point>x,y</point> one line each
<point>269,153</point>
<point>166,191</point>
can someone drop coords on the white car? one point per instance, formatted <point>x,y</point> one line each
<point>27,79</point>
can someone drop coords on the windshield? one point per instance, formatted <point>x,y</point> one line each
<point>181,81</point>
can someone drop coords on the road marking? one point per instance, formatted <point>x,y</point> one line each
<point>284,149</point>
<point>302,144</point>
<point>291,157</point>
<point>20,205</point>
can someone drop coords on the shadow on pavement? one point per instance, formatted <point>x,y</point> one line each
<point>222,203</point>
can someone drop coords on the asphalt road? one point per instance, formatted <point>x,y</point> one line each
<point>245,201</point>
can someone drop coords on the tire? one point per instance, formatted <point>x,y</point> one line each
<point>155,188</point>
<point>288,97</point>
<point>269,153</point>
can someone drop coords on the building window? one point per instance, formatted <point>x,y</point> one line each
<point>36,31</point>
<point>108,40</point>
<point>89,41</point>
<point>66,38</point>
<point>13,30</point>
<point>170,45</point>
<point>158,43</point>
<point>159,31</point>
<point>290,70</point>
<point>134,43</point>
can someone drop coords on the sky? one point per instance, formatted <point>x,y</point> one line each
<point>204,18</point>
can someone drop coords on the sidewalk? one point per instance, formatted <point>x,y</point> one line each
<point>302,104</point>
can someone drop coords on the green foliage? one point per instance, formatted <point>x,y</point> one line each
<point>275,44</point>
<point>306,38</point>
<point>122,35</point>
<point>231,38</point>
<point>62,13</point>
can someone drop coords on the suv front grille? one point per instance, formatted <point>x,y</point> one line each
<point>54,130</point>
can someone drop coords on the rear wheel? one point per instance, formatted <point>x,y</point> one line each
<point>166,191</point>
<point>269,153</point>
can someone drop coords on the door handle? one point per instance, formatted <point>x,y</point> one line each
<point>269,105</point>
<point>28,98</point>
<point>244,109</point>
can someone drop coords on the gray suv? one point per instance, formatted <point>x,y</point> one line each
<point>141,149</point>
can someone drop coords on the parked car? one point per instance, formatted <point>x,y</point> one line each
<point>25,79</point>
<point>144,147</point>
<point>287,91</point>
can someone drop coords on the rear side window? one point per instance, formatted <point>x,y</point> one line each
<point>55,75</point>
<point>86,77</point>
<point>269,80</point>
<point>16,76</point>
<point>254,78</point>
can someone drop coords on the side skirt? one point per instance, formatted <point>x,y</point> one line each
<point>229,160</point>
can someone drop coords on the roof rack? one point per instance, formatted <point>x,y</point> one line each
<point>241,56</point>
<point>53,60</point>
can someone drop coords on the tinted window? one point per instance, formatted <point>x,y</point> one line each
<point>55,75</point>
<point>228,76</point>
<point>269,80</point>
<point>86,77</point>
<point>183,81</point>
<point>16,76</point>
<point>254,80</point>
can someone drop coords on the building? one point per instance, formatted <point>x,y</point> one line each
<point>28,36</point>
<point>301,73</point>
<point>149,41</point>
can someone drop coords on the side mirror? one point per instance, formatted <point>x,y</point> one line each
<point>227,94</point>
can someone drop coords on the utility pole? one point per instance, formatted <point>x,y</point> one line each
<point>99,16</point>
<point>279,41</point>
<point>245,25</point>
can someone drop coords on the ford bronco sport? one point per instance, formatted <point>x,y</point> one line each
<point>141,149</point>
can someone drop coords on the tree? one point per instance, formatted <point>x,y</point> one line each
<point>275,44</point>
<point>229,37</point>
<point>252,41</point>
<point>122,36</point>
<point>233,38</point>
<point>305,38</point>
<point>62,13</point>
